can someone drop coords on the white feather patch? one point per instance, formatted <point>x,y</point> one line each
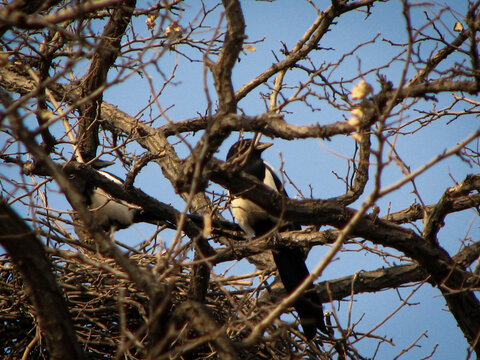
<point>269,176</point>
<point>108,209</point>
<point>246,211</point>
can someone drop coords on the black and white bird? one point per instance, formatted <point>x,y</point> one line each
<point>110,213</point>
<point>257,222</point>
<point>115,214</point>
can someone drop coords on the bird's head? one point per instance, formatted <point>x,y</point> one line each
<point>244,150</point>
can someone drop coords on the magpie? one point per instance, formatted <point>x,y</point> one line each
<point>255,221</point>
<point>116,214</point>
<point>110,213</point>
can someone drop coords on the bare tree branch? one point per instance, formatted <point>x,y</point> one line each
<point>28,255</point>
<point>377,101</point>
<point>103,59</point>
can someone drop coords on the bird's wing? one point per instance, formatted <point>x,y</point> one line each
<point>272,180</point>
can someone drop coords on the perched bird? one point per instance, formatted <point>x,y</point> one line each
<point>110,213</point>
<point>257,222</point>
<point>116,214</point>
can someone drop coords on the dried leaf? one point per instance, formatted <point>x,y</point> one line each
<point>357,137</point>
<point>45,114</point>
<point>173,30</point>
<point>354,121</point>
<point>250,48</point>
<point>357,112</point>
<point>151,21</point>
<point>361,90</point>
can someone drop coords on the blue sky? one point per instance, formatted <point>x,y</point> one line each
<point>313,162</point>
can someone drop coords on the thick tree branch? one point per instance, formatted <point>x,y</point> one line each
<point>436,59</point>
<point>361,167</point>
<point>438,86</point>
<point>306,44</point>
<point>160,211</point>
<point>14,80</point>
<point>143,279</point>
<point>156,143</point>
<point>15,13</point>
<point>309,239</point>
<point>27,252</point>
<point>148,303</point>
<point>198,319</point>
<point>272,125</point>
<point>103,59</point>
<point>453,281</point>
<point>381,279</point>
<point>19,16</point>
<point>163,213</point>
<point>217,131</point>
<point>446,205</point>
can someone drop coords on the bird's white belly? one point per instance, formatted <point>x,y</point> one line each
<point>246,212</point>
<point>106,209</point>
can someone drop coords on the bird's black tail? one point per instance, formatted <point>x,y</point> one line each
<point>291,266</point>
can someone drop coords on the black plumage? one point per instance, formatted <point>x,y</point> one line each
<point>110,213</point>
<point>255,221</point>
<point>114,214</point>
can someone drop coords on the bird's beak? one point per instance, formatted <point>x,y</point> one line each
<point>263,146</point>
<point>100,164</point>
